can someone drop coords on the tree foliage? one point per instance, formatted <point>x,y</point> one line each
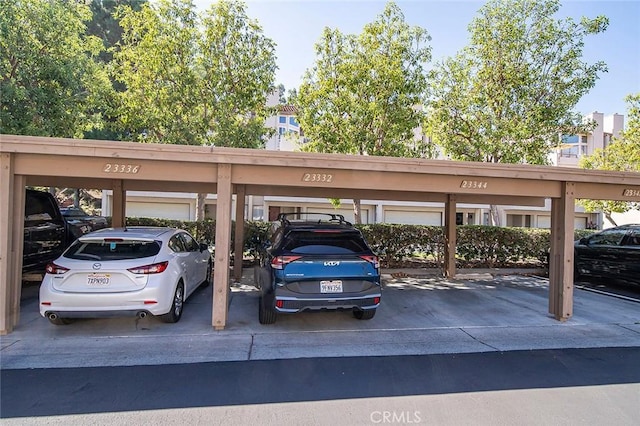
<point>105,25</point>
<point>622,154</point>
<point>51,83</point>
<point>507,96</point>
<point>193,79</point>
<point>362,94</point>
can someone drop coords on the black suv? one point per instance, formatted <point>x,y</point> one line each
<point>613,254</point>
<point>45,231</point>
<point>319,264</point>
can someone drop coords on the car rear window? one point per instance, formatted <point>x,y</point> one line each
<point>324,242</point>
<point>121,250</point>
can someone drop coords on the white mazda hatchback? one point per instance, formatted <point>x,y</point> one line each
<point>125,271</point>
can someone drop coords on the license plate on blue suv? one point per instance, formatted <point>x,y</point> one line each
<point>331,286</point>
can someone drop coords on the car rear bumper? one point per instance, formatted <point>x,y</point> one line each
<point>293,304</point>
<point>97,314</point>
<point>151,300</point>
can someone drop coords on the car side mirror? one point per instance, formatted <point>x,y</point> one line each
<point>203,247</point>
<point>584,241</point>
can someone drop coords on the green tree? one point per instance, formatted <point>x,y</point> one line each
<point>363,93</point>
<point>238,68</point>
<point>622,154</point>
<point>507,96</point>
<point>51,84</point>
<point>193,79</point>
<point>155,63</point>
<point>105,25</point>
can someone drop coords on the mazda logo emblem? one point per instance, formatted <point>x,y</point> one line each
<point>97,266</point>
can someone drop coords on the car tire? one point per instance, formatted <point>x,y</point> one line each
<point>364,315</point>
<point>266,313</point>
<point>209,278</point>
<point>61,321</point>
<point>177,304</point>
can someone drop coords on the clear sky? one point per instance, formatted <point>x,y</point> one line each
<point>296,25</point>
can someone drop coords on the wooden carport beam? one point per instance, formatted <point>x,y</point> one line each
<point>561,261</point>
<point>222,246</point>
<point>238,248</point>
<point>450,236</point>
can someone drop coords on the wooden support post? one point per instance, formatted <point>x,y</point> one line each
<point>239,233</point>
<point>561,259</point>
<point>17,236</point>
<point>223,246</point>
<point>7,261</point>
<point>450,236</point>
<point>119,203</point>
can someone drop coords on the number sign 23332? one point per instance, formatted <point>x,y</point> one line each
<point>317,177</point>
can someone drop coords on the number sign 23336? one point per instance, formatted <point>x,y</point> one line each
<point>121,168</point>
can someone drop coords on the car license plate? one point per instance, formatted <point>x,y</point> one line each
<point>98,279</point>
<point>331,286</point>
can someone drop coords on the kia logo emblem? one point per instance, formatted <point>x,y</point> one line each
<point>97,266</point>
<point>331,263</point>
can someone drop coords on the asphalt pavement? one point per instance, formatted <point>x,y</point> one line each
<point>421,313</point>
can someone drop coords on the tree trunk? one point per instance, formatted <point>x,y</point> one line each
<point>610,219</point>
<point>494,215</point>
<point>200,201</point>
<point>356,211</point>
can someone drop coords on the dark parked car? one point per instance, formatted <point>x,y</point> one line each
<point>79,222</point>
<point>317,265</point>
<point>44,231</point>
<point>612,254</point>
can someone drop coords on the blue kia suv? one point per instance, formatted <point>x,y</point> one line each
<point>317,264</point>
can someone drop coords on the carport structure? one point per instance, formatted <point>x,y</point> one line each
<point>127,166</point>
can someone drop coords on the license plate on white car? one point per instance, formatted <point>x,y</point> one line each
<point>98,279</point>
<point>331,286</point>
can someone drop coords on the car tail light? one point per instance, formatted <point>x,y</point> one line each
<point>156,268</point>
<point>278,262</point>
<point>372,259</point>
<point>54,269</point>
<point>376,300</point>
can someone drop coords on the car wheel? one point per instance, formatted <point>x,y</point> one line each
<point>266,313</point>
<point>364,315</point>
<point>208,279</point>
<point>60,321</point>
<point>175,313</point>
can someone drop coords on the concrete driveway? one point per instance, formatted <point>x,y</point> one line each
<point>419,314</point>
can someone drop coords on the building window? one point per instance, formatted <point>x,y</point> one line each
<point>258,213</point>
<point>293,122</point>
<point>573,146</point>
<point>281,131</point>
<point>282,119</point>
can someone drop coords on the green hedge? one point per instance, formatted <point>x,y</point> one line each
<point>402,245</point>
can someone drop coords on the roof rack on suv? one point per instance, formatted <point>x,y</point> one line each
<point>333,217</point>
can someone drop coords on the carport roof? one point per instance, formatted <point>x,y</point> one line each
<point>57,161</point>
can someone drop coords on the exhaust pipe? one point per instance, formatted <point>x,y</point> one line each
<point>52,316</point>
<point>142,314</point>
